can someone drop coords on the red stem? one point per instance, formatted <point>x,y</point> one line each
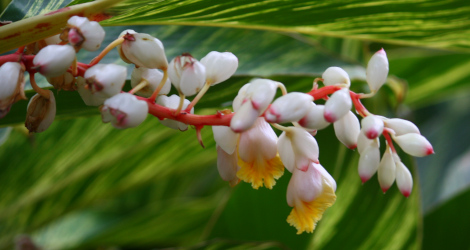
<point>323,92</point>
<point>386,134</point>
<point>358,104</point>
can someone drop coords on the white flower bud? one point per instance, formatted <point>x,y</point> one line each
<point>289,108</point>
<point>40,112</point>
<point>377,70</point>
<point>142,50</point>
<point>124,110</point>
<point>386,172</point>
<point>261,93</point>
<point>153,77</point>
<point>227,165</point>
<point>338,105</point>
<point>63,82</point>
<point>414,144</point>
<point>347,130</point>
<point>173,103</point>
<point>241,96</point>
<point>372,126</point>
<point>314,118</point>
<point>368,162</point>
<point>54,60</point>
<point>244,118</point>
<point>187,74</point>
<point>225,138</point>
<point>11,85</point>
<point>404,179</point>
<point>102,81</point>
<point>401,126</point>
<point>363,142</point>
<point>220,66</point>
<point>84,34</point>
<point>335,75</point>
<point>297,149</point>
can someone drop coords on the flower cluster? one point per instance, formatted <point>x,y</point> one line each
<point>248,148</point>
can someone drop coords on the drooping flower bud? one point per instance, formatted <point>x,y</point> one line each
<point>377,70</point>
<point>363,142</point>
<point>244,118</point>
<point>404,179</point>
<point>372,126</point>
<point>102,81</point>
<point>124,110</point>
<point>220,66</point>
<point>289,108</point>
<point>338,105</point>
<point>187,74</point>
<point>81,33</point>
<point>368,162</point>
<point>240,98</point>
<point>335,75</point>
<point>63,82</point>
<point>314,118</point>
<point>401,126</point>
<point>173,102</point>
<point>297,149</point>
<point>225,138</point>
<point>54,60</point>
<point>261,93</point>
<point>386,172</point>
<point>142,50</point>
<point>11,85</point>
<point>153,77</point>
<point>227,165</point>
<point>40,112</point>
<point>414,144</point>
<point>347,130</point>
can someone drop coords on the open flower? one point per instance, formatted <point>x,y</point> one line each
<point>310,193</point>
<point>297,148</point>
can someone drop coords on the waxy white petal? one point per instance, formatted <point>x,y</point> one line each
<point>404,179</point>
<point>220,66</point>
<point>289,108</point>
<point>187,74</point>
<point>261,93</point>
<point>227,166</point>
<point>244,118</point>
<point>314,118</point>
<point>124,110</point>
<point>377,70</point>
<point>335,75</point>
<point>92,32</point>
<point>258,141</point>
<point>387,171</point>
<point>347,130</point>
<point>298,144</point>
<point>372,126</point>
<point>143,50</point>
<point>54,60</point>
<point>225,138</point>
<point>338,105</point>
<point>240,98</point>
<point>11,85</point>
<point>401,126</point>
<point>153,77</point>
<point>363,142</point>
<point>368,162</point>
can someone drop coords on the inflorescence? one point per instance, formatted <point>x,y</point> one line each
<point>248,149</point>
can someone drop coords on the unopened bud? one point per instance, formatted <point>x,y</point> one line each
<point>173,103</point>
<point>297,149</point>
<point>81,33</point>
<point>372,126</point>
<point>363,142</point>
<point>54,60</point>
<point>377,70</point>
<point>338,105</point>
<point>40,112</point>
<point>220,66</point>
<point>335,75</point>
<point>240,98</point>
<point>244,118</point>
<point>386,172</point>
<point>401,126</point>
<point>347,130</point>
<point>124,110</point>
<point>153,77</point>
<point>289,108</point>
<point>314,118</point>
<point>11,85</point>
<point>142,50</point>
<point>368,162</point>
<point>63,82</point>
<point>414,144</point>
<point>187,74</point>
<point>102,82</point>
<point>261,93</point>
<point>404,179</point>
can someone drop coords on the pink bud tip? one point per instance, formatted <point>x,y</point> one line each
<point>381,51</point>
<point>372,134</point>
<point>74,37</point>
<point>329,117</point>
<point>255,105</point>
<point>429,150</point>
<point>364,179</point>
<point>352,147</point>
<point>384,190</point>
<point>406,193</point>
<point>303,122</point>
